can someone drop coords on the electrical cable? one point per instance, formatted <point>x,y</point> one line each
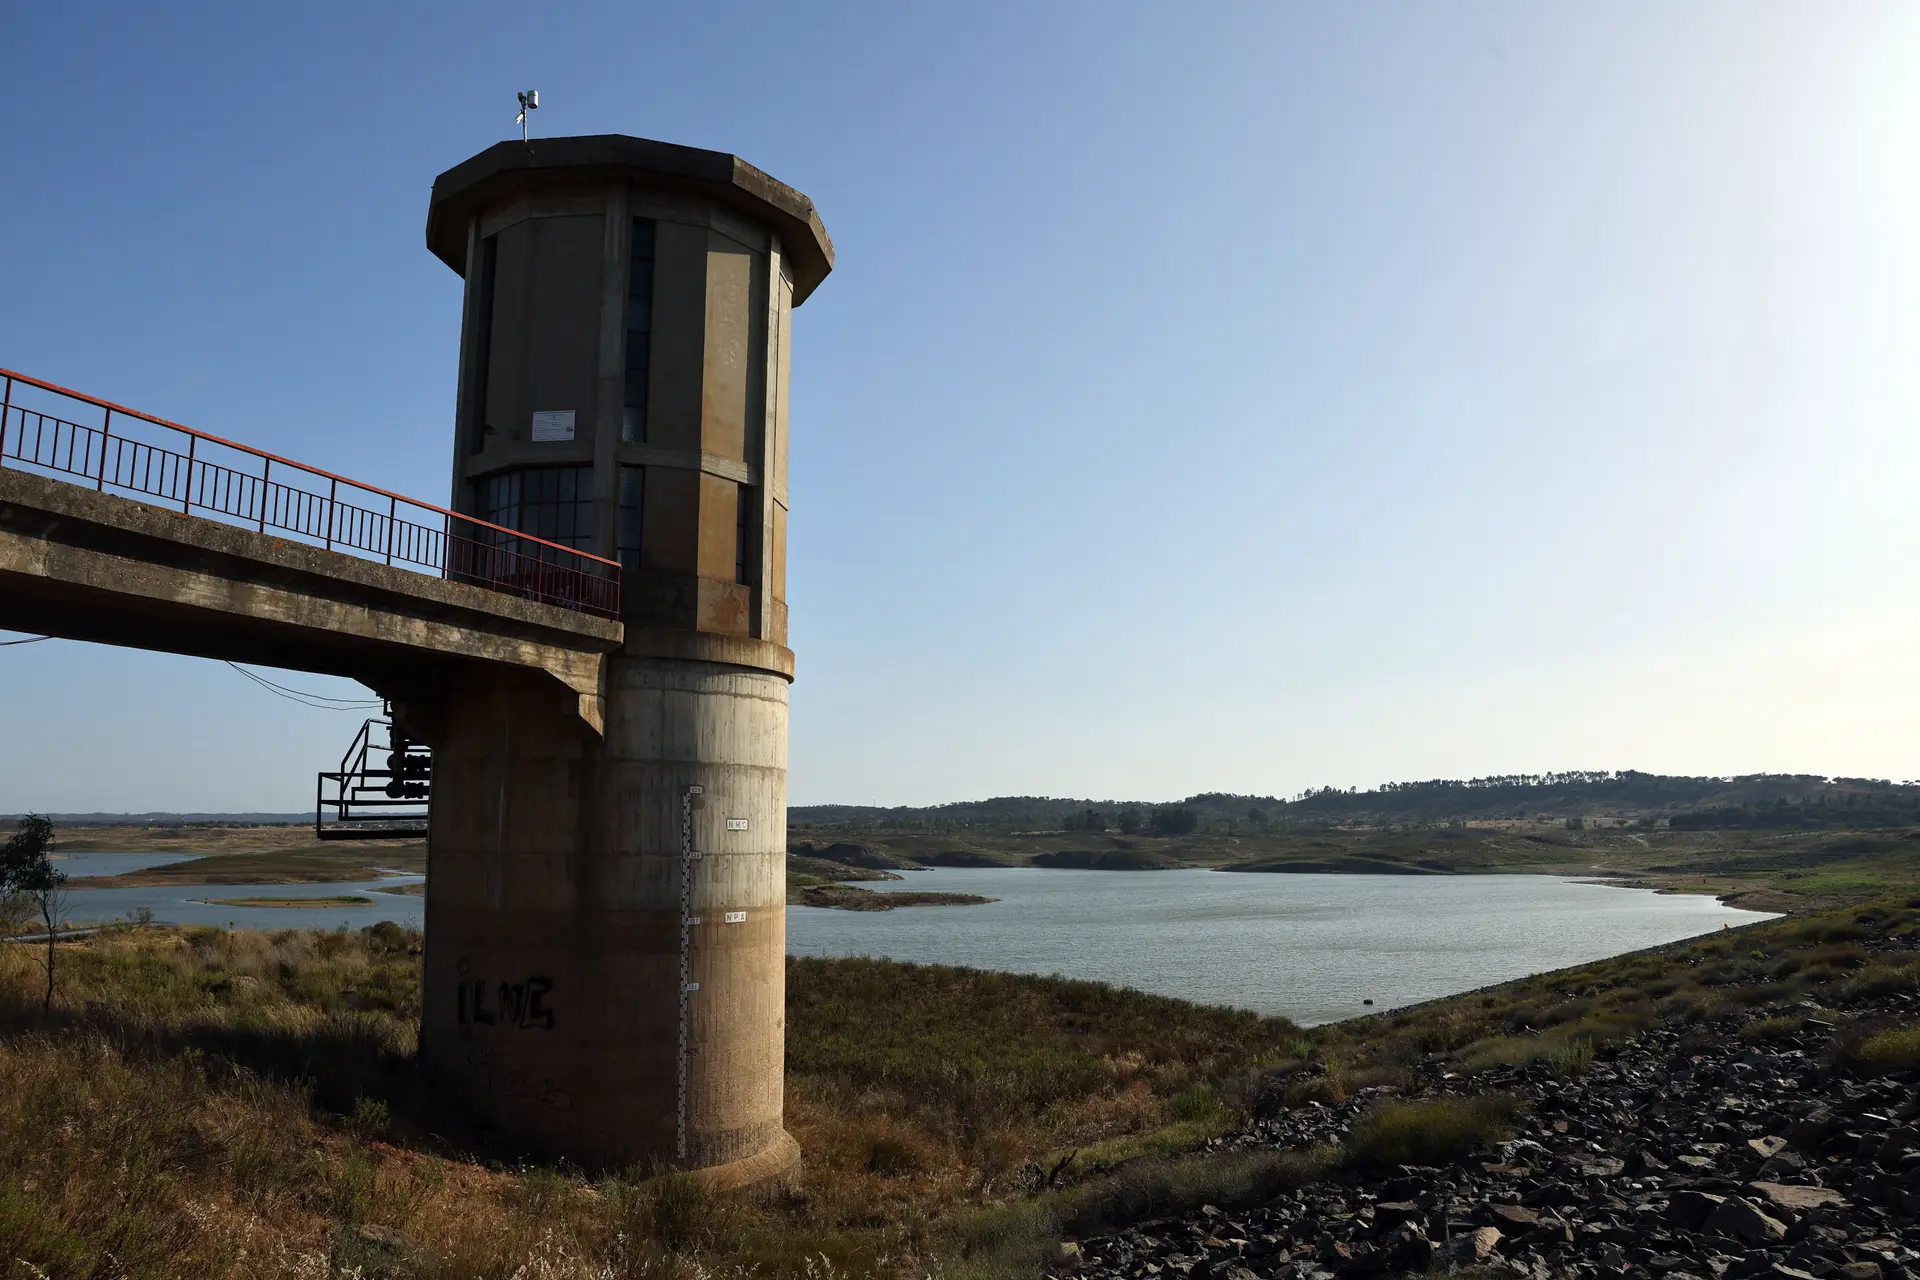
<point>318,701</point>
<point>302,693</point>
<point>30,640</point>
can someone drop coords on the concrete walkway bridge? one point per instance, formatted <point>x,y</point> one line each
<point>119,527</point>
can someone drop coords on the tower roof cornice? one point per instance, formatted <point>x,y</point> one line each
<point>508,169</point>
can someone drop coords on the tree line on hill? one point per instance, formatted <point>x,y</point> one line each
<point>1769,801</point>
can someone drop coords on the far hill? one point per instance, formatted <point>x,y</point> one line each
<point>1765,801</point>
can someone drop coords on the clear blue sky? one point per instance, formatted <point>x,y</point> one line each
<point>1239,397</point>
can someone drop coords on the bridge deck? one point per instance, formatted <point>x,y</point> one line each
<point>138,455</point>
<point>93,566</point>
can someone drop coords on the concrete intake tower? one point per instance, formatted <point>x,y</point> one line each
<point>606,923</point>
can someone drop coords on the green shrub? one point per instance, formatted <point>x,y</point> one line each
<point>1574,1059</point>
<point>1326,1090</point>
<point>1894,1050</point>
<point>1435,1132</point>
<point>1884,980</point>
<point>1501,1051</point>
<point>1394,1077</point>
<point>1198,1103</point>
<point>1450,1030</point>
<point>1761,1030</point>
<point>1158,1188</point>
<point>370,1119</point>
<point>1020,1239</point>
<point>1839,957</point>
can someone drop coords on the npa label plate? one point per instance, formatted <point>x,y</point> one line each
<point>553,424</point>
<point>736,917</point>
<point>736,824</point>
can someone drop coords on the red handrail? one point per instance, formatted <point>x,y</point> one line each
<point>478,551</point>
<point>111,407</point>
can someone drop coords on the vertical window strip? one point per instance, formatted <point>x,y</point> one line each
<point>633,417</point>
<point>482,353</point>
<point>742,526</point>
<point>632,489</point>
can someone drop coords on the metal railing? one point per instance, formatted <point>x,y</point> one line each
<point>134,453</point>
<point>370,803</point>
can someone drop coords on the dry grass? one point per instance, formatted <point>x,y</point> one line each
<point>207,1103</point>
<point>1897,1049</point>
<point>1430,1133</point>
<point>241,1104</point>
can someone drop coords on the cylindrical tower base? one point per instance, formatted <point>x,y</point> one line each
<point>563,909</point>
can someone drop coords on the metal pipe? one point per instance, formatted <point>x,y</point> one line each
<point>688,856</point>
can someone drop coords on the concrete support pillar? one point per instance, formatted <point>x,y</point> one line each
<point>591,992</point>
<point>554,903</point>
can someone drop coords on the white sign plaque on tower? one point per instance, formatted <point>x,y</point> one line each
<point>553,424</point>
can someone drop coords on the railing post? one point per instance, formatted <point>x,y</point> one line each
<point>6,416</point>
<point>393,507</point>
<point>106,434</point>
<point>333,509</point>
<point>186,501</point>
<point>266,483</point>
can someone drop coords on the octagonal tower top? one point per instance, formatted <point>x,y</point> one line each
<point>507,169</point>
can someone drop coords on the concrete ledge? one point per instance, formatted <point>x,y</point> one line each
<point>707,646</point>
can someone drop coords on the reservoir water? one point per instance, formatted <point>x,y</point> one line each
<point>183,903</point>
<point>1308,947</point>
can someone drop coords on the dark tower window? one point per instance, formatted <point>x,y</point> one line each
<point>481,357</point>
<point>555,503</point>
<point>633,419</point>
<point>632,486</point>
<point>742,526</point>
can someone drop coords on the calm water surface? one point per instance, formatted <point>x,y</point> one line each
<point>1309,947</point>
<point>174,904</point>
<point>111,864</point>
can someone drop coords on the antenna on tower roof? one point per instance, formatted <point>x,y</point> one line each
<point>529,101</point>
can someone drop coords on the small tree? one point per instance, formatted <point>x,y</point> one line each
<point>1175,820</point>
<point>25,869</point>
<point>15,910</point>
<point>1130,820</point>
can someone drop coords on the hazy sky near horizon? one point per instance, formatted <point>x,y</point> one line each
<point>1209,397</point>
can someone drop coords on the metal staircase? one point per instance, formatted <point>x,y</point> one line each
<point>369,803</point>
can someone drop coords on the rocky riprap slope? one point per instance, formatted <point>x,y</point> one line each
<point>1684,1154</point>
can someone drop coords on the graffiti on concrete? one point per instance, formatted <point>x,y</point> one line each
<point>525,1003</point>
